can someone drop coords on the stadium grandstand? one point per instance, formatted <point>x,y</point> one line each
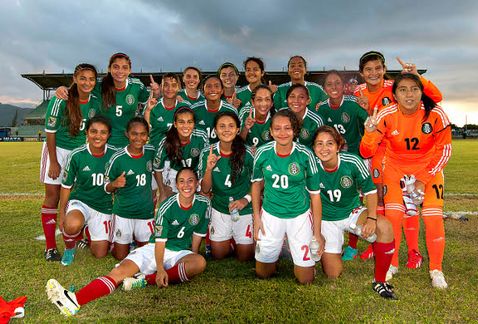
<point>48,82</point>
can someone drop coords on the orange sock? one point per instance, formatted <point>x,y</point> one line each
<point>394,213</point>
<point>435,236</point>
<point>411,227</point>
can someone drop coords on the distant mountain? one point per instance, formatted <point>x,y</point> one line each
<point>7,114</point>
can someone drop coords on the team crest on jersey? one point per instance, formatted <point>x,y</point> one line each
<point>376,173</point>
<point>304,133</point>
<point>345,117</point>
<point>427,128</point>
<point>386,101</point>
<point>294,168</point>
<point>266,135</point>
<point>130,99</point>
<point>149,166</point>
<point>91,113</point>
<point>194,219</point>
<point>346,182</point>
<point>51,121</point>
<point>195,152</point>
<point>158,229</point>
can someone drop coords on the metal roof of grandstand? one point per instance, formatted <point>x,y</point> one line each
<point>51,81</point>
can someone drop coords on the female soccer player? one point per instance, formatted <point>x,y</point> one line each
<point>82,197</point>
<point>256,119</point>
<point>120,96</point>
<point>225,171</point>
<point>297,69</point>
<point>205,111</point>
<point>418,137</point>
<point>160,114</point>
<point>192,79</point>
<point>128,176</point>
<point>229,74</point>
<point>180,148</point>
<point>341,175</point>
<point>342,112</point>
<point>64,126</point>
<point>376,93</point>
<point>170,257</point>
<point>287,171</point>
<point>254,68</point>
<point>297,100</point>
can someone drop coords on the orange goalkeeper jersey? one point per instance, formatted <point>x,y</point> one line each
<point>413,144</point>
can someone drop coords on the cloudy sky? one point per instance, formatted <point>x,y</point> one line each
<point>54,36</point>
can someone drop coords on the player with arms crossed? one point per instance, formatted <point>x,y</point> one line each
<point>418,137</point>
<point>170,257</point>
<point>287,171</point>
<point>65,130</point>
<point>83,200</point>
<point>341,175</point>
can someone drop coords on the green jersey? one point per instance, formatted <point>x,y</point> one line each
<point>348,119</point>
<point>190,152</point>
<point>339,189</point>
<point>126,107</point>
<point>309,125</point>
<point>84,174</point>
<point>222,184</point>
<point>135,199</point>
<point>259,133</point>
<point>288,180</point>
<point>205,118</point>
<point>316,93</point>
<point>176,225</point>
<point>161,119</point>
<point>186,99</point>
<point>56,121</point>
<point>244,94</point>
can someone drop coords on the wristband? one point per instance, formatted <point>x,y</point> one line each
<point>248,198</point>
<point>375,219</point>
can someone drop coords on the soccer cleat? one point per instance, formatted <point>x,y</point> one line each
<point>415,259</point>
<point>392,270</point>
<point>349,254</point>
<point>52,255</point>
<point>384,289</point>
<point>137,281</point>
<point>368,253</point>
<point>63,299</point>
<point>68,257</point>
<point>82,244</point>
<point>438,279</point>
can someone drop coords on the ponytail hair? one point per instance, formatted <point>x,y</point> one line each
<point>108,91</point>
<point>73,111</point>
<point>236,162</point>
<point>173,143</point>
<point>428,103</point>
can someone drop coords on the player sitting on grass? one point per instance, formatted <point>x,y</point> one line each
<point>181,222</point>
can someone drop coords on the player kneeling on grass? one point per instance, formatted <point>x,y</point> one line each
<point>82,198</point>
<point>341,175</point>
<point>170,257</point>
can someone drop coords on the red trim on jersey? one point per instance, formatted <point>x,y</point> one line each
<point>83,102</point>
<point>121,89</point>
<point>332,170</point>
<point>169,108</point>
<point>98,155</point>
<point>185,208</point>
<point>225,155</point>
<point>283,155</point>
<point>186,143</point>
<point>334,107</point>
<point>137,156</point>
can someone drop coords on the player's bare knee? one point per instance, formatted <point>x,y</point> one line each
<point>384,229</point>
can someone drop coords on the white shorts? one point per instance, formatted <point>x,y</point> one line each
<point>125,229</point>
<point>299,234</point>
<point>169,176</point>
<point>222,228</point>
<point>99,224</point>
<point>333,231</point>
<point>144,258</point>
<point>61,156</point>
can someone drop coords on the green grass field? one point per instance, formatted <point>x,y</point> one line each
<point>228,291</point>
